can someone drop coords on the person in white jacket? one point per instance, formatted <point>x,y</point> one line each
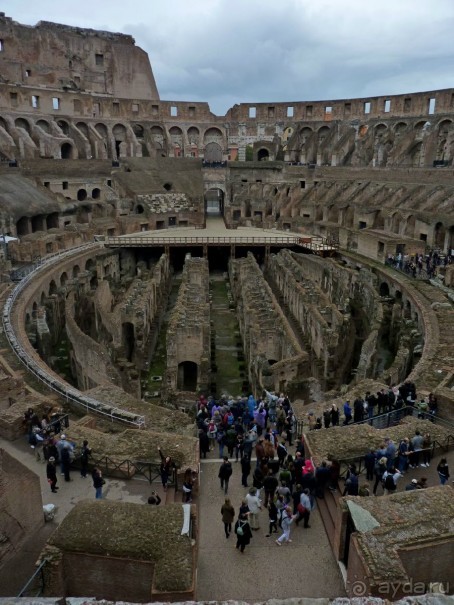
<point>255,506</point>
<point>286,521</point>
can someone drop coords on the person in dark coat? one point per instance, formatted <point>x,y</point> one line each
<point>65,460</point>
<point>204,443</point>
<point>51,474</point>
<point>166,468</point>
<point>225,473</point>
<point>86,451</point>
<point>257,478</point>
<point>245,470</point>
<point>228,515</point>
<point>243,532</point>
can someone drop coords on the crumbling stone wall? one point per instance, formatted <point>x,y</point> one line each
<point>20,517</point>
<point>188,333</point>
<point>274,355</point>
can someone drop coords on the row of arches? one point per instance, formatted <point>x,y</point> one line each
<point>100,140</point>
<point>439,235</point>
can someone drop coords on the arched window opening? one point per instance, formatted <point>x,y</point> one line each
<point>263,155</point>
<point>384,289</point>
<point>187,376</point>
<point>52,288</point>
<point>66,151</point>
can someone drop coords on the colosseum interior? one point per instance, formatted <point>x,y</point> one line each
<point>152,251</point>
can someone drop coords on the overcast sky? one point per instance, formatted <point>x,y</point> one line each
<point>232,51</point>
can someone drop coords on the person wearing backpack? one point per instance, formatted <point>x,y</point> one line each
<point>390,479</point>
<point>243,531</point>
<point>286,521</point>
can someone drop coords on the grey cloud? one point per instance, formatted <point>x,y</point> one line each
<point>231,51</point>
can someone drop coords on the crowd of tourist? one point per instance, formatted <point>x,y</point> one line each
<point>58,451</point>
<point>415,264</point>
<point>257,434</point>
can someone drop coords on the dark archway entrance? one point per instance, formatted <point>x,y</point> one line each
<point>66,151</point>
<point>263,154</point>
<point>187,376</point>
<point>214,202</point>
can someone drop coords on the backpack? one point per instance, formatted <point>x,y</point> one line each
<point>240,530</point>
<point>389,483</point>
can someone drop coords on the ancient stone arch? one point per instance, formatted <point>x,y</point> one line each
<point>52,287</point>
<point>263,154</point>
<point>83,128</point>
<point>64,126</point>
<point>44,125</point>
<point>396,222</point>
<point>213,152</point>
<point>213,135</point>
<point>22,123</point>
<point>66,151</point>
<point>193,135</point>
<point>101,129</point>
<point>176,139</point>
<point>187,376</point>
<point>400,128</point>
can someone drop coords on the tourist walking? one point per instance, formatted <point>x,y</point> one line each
<point>225,472</point>
<point>86,451</point>
<point>228,515</point>
<point>243,532</point>
<point>272,516</point>
<point>245,470</point>
<point>255,506</point>
<point>286,521</point>
<point>65,459</point>
<point>51,474</point>
<point>305,508</point>
<point>166,468</point>
<point>443,471</point>
<point>98,482</point>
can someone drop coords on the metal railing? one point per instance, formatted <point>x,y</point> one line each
<point>394,416</point>
<point>195,240</point>
<point>36,584</point>
<point>314,243</point>
<point>127,469</point>
<point>69,393</point>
